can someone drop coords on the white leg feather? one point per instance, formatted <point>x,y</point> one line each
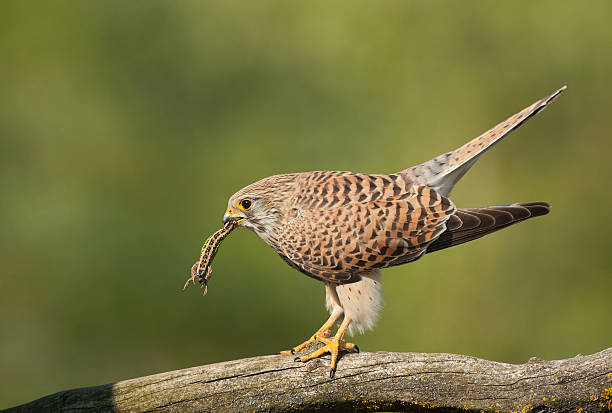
<point>361,301</point>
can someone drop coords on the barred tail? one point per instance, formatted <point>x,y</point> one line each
<point>443,172</point>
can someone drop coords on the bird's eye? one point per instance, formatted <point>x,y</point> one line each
<point>245,204</point>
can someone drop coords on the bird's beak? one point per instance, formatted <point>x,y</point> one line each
<point>233,215</point>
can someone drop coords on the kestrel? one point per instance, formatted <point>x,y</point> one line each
<point>341,227</point>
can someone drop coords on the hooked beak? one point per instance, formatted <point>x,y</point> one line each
<point>233,215</point>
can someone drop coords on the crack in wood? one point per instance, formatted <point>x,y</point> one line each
<point>368,381</point>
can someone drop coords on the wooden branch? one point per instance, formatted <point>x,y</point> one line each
<point>364,382</point>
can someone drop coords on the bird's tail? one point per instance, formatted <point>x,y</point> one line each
<point>443,172</point>
<point>468,224</point>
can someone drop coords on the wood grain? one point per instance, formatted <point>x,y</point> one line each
<point>364,382</point>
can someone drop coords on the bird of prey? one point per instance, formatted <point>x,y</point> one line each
<point>342,228</point>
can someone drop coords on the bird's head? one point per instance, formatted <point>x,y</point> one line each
<point>262,205</point>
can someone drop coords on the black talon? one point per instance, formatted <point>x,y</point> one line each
<point>356,349</point>
<point>292,351</point>
<point>332,372</point>
<point>297,359</point>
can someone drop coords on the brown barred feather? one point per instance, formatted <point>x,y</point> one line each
<point>360,223</point>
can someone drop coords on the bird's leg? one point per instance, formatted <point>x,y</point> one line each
<point>333,346</point>
<point>321,335</point>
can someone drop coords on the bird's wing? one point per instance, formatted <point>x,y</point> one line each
<point>339,242</point>
<point>469,224</point>
<point>443,172</point>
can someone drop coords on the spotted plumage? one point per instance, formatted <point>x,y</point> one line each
<point>343,227</point>
<point>350,223</point>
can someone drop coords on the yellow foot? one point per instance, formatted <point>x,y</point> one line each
<point>333,347</point>
<point>320,336</point>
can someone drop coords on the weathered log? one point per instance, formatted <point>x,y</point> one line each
<point>364,382</point>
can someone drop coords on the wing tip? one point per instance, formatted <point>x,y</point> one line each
<point>537,208</point>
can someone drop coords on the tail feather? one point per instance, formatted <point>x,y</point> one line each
<point>469,224</point>
<point>443,172</point>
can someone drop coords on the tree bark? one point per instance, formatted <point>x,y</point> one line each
<point>380,381</point>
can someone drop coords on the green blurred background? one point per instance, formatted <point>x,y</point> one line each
<point>125,126</point>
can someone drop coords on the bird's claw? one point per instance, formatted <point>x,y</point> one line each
<point>320,336</point>
<point>334,347</point>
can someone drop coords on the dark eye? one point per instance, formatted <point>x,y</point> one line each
<point>246,204</point>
